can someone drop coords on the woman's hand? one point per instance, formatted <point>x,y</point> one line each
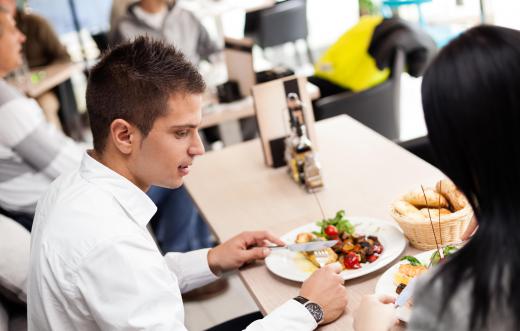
<point>375,313</point>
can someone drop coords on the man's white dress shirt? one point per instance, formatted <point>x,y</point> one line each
<point>94,265</point>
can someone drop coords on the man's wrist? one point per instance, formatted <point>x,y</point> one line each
<point>213,264</point>
<point>312,307</point>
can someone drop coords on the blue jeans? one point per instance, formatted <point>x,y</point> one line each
<point>177,224</point>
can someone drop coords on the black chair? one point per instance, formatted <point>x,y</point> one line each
<point>420,147</point>
<point>377,107</point>
<point>282,23</point>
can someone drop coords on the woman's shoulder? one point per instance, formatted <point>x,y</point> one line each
<point>429,304</point>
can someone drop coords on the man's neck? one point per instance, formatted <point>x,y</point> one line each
<point>153,7</point>
<point>119,166</point>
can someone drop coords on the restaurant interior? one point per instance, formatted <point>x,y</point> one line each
<point>317,126</point>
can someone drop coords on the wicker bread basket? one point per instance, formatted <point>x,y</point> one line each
<point>419,229</point>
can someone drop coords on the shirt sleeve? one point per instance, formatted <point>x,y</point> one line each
<point>291,316</point>
<point>44,148</point>
<point>127,286</point>
<point>192,269</point>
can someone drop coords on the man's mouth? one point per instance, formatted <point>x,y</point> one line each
<point>184,169</point>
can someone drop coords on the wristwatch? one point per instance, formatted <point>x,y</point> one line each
<point>312,307</point>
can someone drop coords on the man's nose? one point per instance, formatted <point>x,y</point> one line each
<point>196,148</point>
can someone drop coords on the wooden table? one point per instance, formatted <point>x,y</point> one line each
<point>51,76</point>
<point>363,173</point>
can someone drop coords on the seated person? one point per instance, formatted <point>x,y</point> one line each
<point>41,48</point>
<point>165,20</point>
<point>472,112</point>
<point>93,264</point>
<point>33,153</point>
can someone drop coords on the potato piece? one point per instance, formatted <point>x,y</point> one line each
<point>450,191</point>
<point>407,272</point>
<point>304,237</point>
<point>434,213</point>
<point>435,200</point>
<point>333,257</point>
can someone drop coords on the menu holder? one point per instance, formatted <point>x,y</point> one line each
<point>239,63</point>
<point>270,103</point>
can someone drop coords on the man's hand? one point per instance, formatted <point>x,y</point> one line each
<point>325,287</point>
<point>375,313</point>
<point>246,247</point>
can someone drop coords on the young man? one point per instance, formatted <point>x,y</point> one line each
<point>33,154</point>
<point>94,266</point>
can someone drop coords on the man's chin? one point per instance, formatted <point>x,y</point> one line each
<point>171,185</point>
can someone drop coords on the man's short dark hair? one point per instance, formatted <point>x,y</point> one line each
<point>133,82</point>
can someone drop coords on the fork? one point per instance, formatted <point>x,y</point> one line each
<point>322,256</point>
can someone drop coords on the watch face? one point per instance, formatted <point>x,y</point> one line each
<point>315,311</point>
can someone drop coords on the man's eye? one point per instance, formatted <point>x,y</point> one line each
<point>181,133</point>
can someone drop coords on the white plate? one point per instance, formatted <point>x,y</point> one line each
<point>294,266</point>
<point>386,285</point>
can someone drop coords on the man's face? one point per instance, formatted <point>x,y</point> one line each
<point>11,40</point>
<point>165,155</point>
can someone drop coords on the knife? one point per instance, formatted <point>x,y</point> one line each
<point>308,246</point>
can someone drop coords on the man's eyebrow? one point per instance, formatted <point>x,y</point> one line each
<point>187,125</point>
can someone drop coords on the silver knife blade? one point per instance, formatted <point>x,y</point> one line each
<point>309,246</point>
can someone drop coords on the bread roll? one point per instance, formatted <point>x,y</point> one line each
<point>434,199</point>
<point>405,208</point>
<point>450,191</point>
<point>434,213</point>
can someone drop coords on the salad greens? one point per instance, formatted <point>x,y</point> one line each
<point>434,259</point>
<point>339,221</point>
<point>413,261</point>
<point>447,251</point>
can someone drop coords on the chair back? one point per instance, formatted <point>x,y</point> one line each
<point>277,25</point>
<point>377,107</point>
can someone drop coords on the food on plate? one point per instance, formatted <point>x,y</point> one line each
<point>445,199</point>
<point>352,249</point>
<point>413,267</point>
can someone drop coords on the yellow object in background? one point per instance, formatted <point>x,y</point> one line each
<point>347,62</point>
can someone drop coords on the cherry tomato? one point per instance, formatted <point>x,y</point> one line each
<point>331,231</point>
<point>351,261</point>
<point>372,258</point>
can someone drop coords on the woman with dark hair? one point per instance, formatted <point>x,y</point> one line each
<point>472,110</point>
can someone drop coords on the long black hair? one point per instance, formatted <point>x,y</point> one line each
<point>471,102</point>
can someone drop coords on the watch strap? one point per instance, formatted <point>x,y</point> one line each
<point>301,299</point>
<point>314,309</point>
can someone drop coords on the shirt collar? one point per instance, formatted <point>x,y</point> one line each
<point>140,207</point>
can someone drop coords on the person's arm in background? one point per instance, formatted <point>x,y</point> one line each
<point>47,150</point>
<point>207,48</point>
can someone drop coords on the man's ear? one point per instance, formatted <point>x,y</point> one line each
<point>123,135</point>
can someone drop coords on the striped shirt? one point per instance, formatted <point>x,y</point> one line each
<point>32,152</point>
